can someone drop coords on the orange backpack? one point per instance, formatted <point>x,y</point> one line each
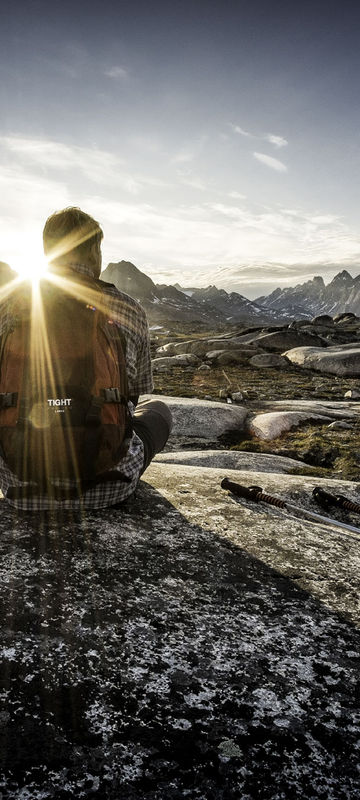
<point>63,388</point>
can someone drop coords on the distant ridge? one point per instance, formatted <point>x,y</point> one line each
<point>313,297</point>
<point>165,303</point>
<point>213,305</point>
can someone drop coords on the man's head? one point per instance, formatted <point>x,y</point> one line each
<point>72,237</point>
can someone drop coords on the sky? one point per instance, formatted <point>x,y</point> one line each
<point>215,142</point>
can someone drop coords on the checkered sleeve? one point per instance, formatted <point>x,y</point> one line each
<point>144,382</point>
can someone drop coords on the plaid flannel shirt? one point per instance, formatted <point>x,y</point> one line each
<point>131,316</point>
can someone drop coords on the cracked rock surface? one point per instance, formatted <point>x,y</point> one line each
<point>187,645</point>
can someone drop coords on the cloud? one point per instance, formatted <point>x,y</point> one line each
<point>188,178</point>
<point>237,129</point>
<point>190,151</point>
<point>99,166</point>
<point>277,141</point>
<point>26,200</point>
<point>222,243</point>
<point>183,157</point>
<point>237,195</point>
<point>57,155</point>
<point>271,162</point>
<point>221,238</point>
<point>117,72</point>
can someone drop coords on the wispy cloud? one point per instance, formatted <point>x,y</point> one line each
<point>241,131</point>
<point>189,151</point>
<point>271,162</point>
<point>183,157</point>
<point>277,141</point>
<point>237,195</point>
<point>117,73</point>
<point>99,166</point>
<point>188,178</point>
<point>194,182</point>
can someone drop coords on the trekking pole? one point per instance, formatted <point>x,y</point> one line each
<point>325,499</point>
<point>256,494</point>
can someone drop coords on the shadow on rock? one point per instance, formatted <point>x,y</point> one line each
<point>144,657</point>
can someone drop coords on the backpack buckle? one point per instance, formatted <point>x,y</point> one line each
<point>112,395</point>
<point>8,399</point>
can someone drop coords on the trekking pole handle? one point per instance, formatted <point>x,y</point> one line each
<point>326,499</point>
<point>254,493</point>
<point>248,492</point>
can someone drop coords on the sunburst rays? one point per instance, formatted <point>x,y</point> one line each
<point>45,370</point>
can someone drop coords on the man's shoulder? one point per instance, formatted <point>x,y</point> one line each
<point>122,298</point>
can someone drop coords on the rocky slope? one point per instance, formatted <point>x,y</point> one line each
<point>313,297</point>
<point>186,645</point>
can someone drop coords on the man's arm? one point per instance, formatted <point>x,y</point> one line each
<point>144,380</point>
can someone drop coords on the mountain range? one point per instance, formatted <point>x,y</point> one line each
<point>168,304</point>
<point>165,304</point>
<point>313,297</point>
<point>216,306</point>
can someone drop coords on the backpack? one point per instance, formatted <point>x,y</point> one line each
<point>64,411</point>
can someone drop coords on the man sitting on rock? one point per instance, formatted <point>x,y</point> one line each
<point>51,396</point>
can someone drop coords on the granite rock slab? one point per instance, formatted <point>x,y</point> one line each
<point>273,424</point>
<point>182,360</point>
<point>335,360</point>
<point>205,419</point>
<point>186,645</point>
<point>333,409</point>
<point>232,459</point>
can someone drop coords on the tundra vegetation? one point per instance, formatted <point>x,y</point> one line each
<point>333,452</point>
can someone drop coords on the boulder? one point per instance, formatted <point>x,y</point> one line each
<point>186,360</point>
<point>327,408</point>
<point>288,339</point>
<point>203,419</point>
<point>233,459</point>
<point>199,346</point>
<point>322,321</point>
<point>229,344</point>
<point>269,360</point>
<point>353,394</point>
<point>270,426</point>
<point>336,360</point>
<point>339,425</point>
<point>229,357</point>
<point>238,397</point>
<point>347,316</point>
<point>182,641</point>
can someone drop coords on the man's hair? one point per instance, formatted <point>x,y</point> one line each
<point>69,236</point>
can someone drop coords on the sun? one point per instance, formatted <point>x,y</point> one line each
<point>31,267</point>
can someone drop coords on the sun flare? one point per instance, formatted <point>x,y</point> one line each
<point>31,267</point>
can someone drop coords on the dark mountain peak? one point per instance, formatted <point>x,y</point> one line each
<point>342,278</point>
<point>318,280</point>
<point>128,278</point>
